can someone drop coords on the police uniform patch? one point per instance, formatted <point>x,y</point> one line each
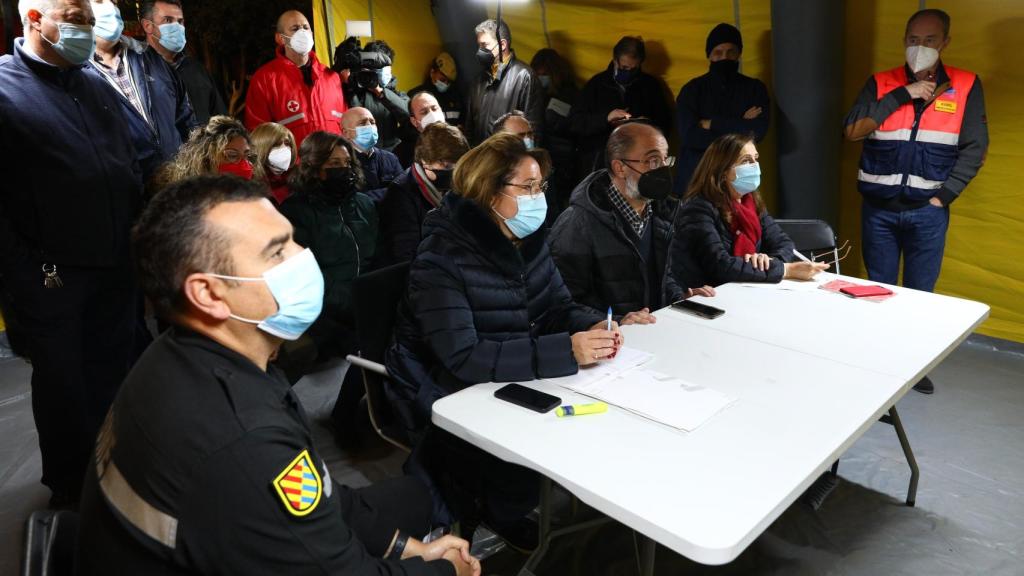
<point>299,485</point>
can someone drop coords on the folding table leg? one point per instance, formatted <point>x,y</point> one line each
<point>894,418</point>
<point>647,556</point>
<point>544,527</point>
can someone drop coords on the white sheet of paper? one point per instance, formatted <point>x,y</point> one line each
<point>627,359</point>
<point>662,398</point>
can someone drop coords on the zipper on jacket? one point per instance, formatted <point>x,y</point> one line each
<point>354,239</point>
<point>913,138</point>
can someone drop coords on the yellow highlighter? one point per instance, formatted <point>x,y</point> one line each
<point>581,409</point>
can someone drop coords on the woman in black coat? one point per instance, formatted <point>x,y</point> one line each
<point>723,233</point>
<point>485,303</point>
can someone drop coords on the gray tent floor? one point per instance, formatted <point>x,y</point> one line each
<point>968,438</point>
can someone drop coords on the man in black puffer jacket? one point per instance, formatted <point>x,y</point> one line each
<point>610,244</point>
<point>505,84</point>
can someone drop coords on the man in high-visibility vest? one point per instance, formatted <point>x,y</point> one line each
<point>925,137</point>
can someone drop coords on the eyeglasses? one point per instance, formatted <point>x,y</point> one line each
<point>843,251</point>
<point>535,188</point>
<point>654,163</point>
<point>232,156</point>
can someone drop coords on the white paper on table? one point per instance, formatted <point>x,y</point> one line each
<point>662,398</point>
<point>626,359</point>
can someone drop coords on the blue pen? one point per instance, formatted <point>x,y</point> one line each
<point>609,318</point>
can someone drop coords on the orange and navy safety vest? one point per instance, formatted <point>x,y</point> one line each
<point>912,153</point>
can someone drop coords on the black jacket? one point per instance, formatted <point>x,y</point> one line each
<point>380,168</point>
<point>722,102</point>
<point>701,250</point>
<point>478,310</point>
<point>644,96</point>
<point>515,88</point>
<point>599,256</point>
<point>401,218</point>
<point>200,454</point>
<point>203,94</point>
<point>71,182</point>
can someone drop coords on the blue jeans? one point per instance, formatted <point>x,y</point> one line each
<point>919,235</point>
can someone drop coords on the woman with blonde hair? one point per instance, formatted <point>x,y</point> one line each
<point>485,303</point>
<point>723,232</point>
<point>276,154</point>
<point>221,146</point>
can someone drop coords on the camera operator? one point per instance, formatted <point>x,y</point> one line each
<point>369,83</point>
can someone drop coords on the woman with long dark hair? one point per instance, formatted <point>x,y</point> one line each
<point>723,232</point>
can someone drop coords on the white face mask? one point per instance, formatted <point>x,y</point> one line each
<point>432,117</point>
<point>301,41</point>
<point>921,57</point>
<point>280,159</point>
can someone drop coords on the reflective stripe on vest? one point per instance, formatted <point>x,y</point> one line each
<point>909,156</point>
<point>290,119</point>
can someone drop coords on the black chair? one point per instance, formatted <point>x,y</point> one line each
<point>50,541</point>
<point>813,238</point>
<point>376,296</point>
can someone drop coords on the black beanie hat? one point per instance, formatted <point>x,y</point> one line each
<point>720,35</point>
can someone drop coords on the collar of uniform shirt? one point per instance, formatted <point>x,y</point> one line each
<point>635,220</point>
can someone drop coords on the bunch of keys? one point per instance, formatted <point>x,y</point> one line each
<point>51,279</point>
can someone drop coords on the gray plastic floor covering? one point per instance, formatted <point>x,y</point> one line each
<point>969,518</point>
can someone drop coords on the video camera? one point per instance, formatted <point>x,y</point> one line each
<point>364,66</point>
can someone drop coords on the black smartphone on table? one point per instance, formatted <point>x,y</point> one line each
<point>698,309</point>
<point>527,398</point>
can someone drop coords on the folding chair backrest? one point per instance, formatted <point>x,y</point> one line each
<point>376,297</point>
<point>812,238</point>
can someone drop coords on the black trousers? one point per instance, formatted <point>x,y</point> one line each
<point>376,511</point>
<point>80,339</point>
<point>475,485</point>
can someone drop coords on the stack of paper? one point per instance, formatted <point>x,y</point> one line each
<point>666,399</point>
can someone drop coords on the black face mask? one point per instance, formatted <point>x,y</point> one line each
<point>340,182</point>
<point>725,69</point>
<point>655,184</point>
<point>485,58</point>
<point>443,180</point>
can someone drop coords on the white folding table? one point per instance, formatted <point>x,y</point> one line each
<point>804,396</point>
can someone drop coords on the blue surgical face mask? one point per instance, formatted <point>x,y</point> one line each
<point>298,287</point>
<point>366,136</point>
<point>441,86</point>
<point>75,42</point>
<point>109,23</point>
<point>384,75</point>
<point>530,213</point>
<point>172,37</point>
<point>528,142</point>
<point>748,178</point>
<point>545,81</point>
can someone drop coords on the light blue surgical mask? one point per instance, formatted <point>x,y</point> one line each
<point>384,75</point>
<point>76,42</point>
<point>366,136</point>
<point>441,86</point>
<point>172,37</point>
<point>298,287</point>
<point>530,213</point>
<point>545,81</point>
<point>748,178</point>
<point>528,142</point>
<point>109,23</point>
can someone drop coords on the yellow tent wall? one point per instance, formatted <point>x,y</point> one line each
<point>406,25</point>
<point>982,259</point>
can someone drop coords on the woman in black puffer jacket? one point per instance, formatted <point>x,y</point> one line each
<point>485,303</point>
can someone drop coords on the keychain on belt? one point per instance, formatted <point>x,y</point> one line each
<point>50,277</point>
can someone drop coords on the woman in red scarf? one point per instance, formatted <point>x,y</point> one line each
<point>723,232</point>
